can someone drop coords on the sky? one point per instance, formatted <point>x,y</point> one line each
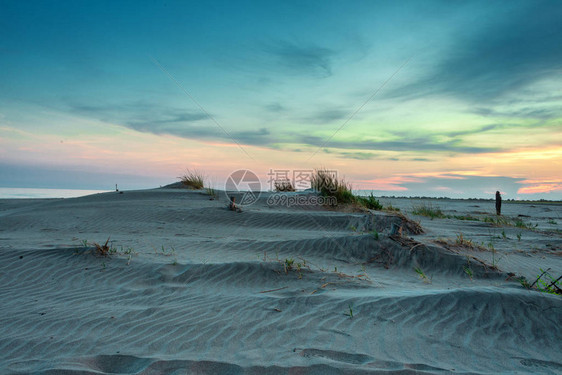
<point>405,98</point>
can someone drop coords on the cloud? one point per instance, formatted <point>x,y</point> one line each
<point>156,119</point>
<point>526,112</point>
<point>301,59</point>
<point>420,144</point>
<point>326,116</point>
<point>521,46</point>
<point>454,184</point>
<point>540,186</point>
<point>352,155</point>
<point>275,107</point>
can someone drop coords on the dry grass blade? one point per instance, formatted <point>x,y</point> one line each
<point>193,179</point>
<point>102,250</point>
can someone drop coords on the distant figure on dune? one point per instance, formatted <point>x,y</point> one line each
<point>498,203</point>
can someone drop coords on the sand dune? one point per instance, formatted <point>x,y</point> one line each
<point>195,288</point>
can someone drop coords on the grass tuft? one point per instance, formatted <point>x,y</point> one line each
<point>193,179</point>
<point>369,202</point>
<point>328,185</point>
<point>427,209</point>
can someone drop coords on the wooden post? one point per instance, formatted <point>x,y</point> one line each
<point>232,205</point>
<point>498,203</point>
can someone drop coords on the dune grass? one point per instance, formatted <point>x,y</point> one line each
<point>193,179</point>
<point>327,184</point>
<point>427,209</point>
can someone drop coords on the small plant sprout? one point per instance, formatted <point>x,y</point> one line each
<point>548,284</point>
<point>422,275</point>
<point>349,312</point>
<point>288,264</point>
<point>467,269</point>
<point>211,192</point>
<point>375,235</point>
<point>504,236</point>
<point>463,241</point>
<point>524,283</point>
<point>85,243</point>
<point>353,228</point>
<point>519,236</point>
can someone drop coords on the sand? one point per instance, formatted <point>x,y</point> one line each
<point>193,288</point>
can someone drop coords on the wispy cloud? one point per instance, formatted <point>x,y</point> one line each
<point>157,119</point>
<point>324,116</point>
<point>275,107</point>
<point>301,58</point>
<point>352,155</point>
<point>521,46</point>
<point>466,183</point>
<point>419,144</point>
<point>540,186</point>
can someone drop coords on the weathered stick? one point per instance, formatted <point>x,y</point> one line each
<point>538,278</point>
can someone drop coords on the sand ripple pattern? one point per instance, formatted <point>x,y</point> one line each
<point>225,303</point>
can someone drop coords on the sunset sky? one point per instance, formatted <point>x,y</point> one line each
<point>436,98</point>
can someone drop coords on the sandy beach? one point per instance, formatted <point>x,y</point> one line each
<point>190,287</point>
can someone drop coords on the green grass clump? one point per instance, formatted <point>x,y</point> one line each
<point>369,202</point>
<point>499,220</point>
<point>390,207</point>
<point>545,283</point>
<point>505,221</point>
<point>193,179</point>
<point>521,224</point>
<point>426,209</point>
<point>327,184</point>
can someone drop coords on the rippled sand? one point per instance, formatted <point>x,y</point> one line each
<point>195,288</point>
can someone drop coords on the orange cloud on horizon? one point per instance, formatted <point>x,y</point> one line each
<point>540,188</point>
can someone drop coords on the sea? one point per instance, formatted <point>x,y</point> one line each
<point>26,193</point>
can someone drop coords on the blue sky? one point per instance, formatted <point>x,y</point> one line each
<point>98,92</point>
